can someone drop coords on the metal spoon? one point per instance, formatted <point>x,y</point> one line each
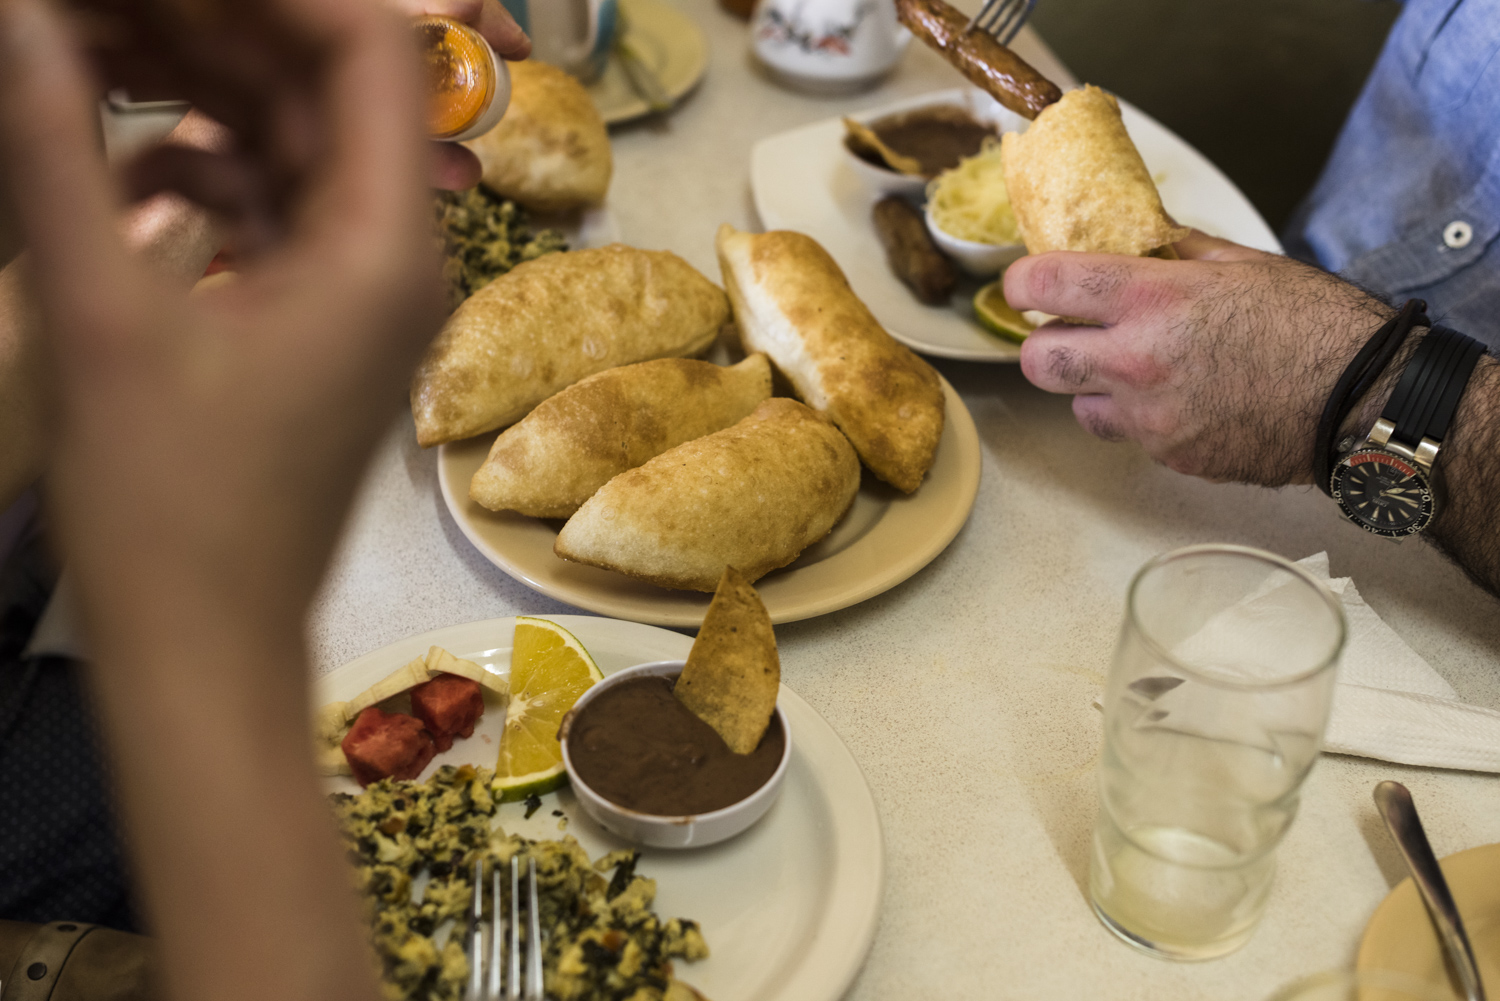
<point>1393,800</point>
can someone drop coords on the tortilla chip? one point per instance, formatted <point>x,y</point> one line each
<point>732,673</point>
<point>1077,182</point>
<point>863,140</point>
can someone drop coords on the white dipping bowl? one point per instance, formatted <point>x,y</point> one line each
<point>982,260</point>
<point>655,831</point>
<point>882,181</point>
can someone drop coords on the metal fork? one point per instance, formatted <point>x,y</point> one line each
<point>1001,18</point>
<point>485,970</point>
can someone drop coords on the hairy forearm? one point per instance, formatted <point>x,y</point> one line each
<point>235,849</point>
<point>1467,528</point>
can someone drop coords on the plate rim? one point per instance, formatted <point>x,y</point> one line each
<point>966,491</point>
<point>1403,897</point>
<point>845,924</point>
<point>637,107</point>
<point>1001,352</point>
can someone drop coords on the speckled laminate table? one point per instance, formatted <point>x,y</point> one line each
<point>965,693</point>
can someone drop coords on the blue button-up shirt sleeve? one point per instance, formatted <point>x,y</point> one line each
<point>1409,203</point>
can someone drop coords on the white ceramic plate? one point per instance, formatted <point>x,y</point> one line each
<point>788,908</point>
<point>670,45</point>
<point>801,180</point>
<point>885,538</point>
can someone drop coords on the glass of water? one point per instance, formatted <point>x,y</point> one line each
<point>1213,716</point>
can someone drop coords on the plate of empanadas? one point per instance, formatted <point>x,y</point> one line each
<point>828,464</point>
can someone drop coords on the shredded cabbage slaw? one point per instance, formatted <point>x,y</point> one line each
<point>970,201</point>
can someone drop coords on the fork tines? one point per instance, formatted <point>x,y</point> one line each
<point>1001,18</point>
<point>503,932</point>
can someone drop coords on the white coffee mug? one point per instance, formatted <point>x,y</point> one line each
<point>828,46</point>
<point>573,34</point>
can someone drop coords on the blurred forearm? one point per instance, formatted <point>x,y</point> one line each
<point>178,238</point>
<point>22,448</point>
<point>230,834</point>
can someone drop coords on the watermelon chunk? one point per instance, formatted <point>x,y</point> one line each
<point>448,706</point>
<point>387,745</point>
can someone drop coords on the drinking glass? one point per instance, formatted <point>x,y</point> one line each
<point>1213,716</point>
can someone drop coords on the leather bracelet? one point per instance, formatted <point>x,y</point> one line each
<point>1425,399</point>
<point>1355,382</point>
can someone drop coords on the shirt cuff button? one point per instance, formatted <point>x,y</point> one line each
<point>1457,234</point>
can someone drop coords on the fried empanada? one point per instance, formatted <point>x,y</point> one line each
<point>548,323</point>
<point>791,301</point>
<point>1077,182</point>
<point>577,441</point>
<point>551,150</point>
<point>752,496</point>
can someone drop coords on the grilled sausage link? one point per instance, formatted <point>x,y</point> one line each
<point>990,65</point>
<point>911,253</point>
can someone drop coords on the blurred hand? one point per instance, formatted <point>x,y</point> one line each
<point>262,398</point>
<point>207,445</point>
<point>1218,365</point>
<point>456,168</point>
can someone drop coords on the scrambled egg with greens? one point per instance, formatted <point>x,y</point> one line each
<point>601,940</point>
<point>485,236</point>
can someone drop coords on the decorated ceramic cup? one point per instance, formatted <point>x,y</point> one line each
<point>828,46</point>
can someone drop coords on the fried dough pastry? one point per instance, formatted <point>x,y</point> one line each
<point>791,301</point>
<point>752,496</point>
<point>1077,182</point>
<point>551,150</point>
<point>548,323</point>
<point>575,442</point>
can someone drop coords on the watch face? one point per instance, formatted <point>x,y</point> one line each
<point>1383,492</point>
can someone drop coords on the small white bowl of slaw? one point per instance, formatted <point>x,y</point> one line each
<point>969,216</point>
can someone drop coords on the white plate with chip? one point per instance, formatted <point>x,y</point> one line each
<point>788,908</point>
<point>802,180</point>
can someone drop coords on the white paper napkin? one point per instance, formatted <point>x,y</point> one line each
<point>1390,704</point>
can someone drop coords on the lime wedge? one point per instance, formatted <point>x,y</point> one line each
<point>996,315</point>
<point>549,669</point>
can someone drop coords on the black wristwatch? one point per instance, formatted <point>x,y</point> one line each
<point>1388,484</point>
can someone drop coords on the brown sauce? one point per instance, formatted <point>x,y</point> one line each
<point>640,748</point>
<point>937,137</point>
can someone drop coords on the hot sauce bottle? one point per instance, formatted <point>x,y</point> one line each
<point>468,86</point>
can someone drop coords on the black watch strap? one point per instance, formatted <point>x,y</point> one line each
<point>1356,381</point>
<point>1427,395</point>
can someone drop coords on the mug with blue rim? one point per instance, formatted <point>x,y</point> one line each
<point>575,35</point>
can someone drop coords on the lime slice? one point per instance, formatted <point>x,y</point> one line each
<point>549,669</point>
<point>996,316</point>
